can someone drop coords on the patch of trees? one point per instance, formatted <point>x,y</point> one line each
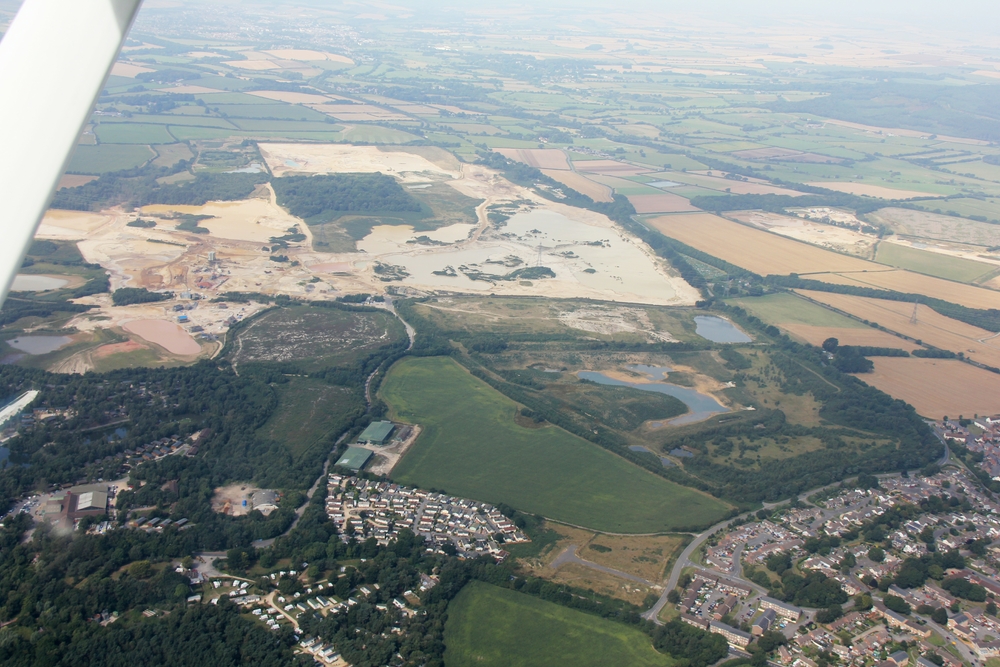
<point>778,203</point>
<point>915,571</point>
<point>934,353</point>
<point>143,224</point>
<point>734,359</point>
<point>312,196</point>
<point>681,639</point>
<point>896,604</point>
<point>139,187</point>
<point>961,587</point>
<point>127,296</point>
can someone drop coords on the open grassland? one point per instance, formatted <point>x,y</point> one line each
<point>937,387</point>
<point>315,337</point>
<point>133,133</point>
<point>471,446</point>
<point>908,282</point>
<point>931,327</point>
<point>932,263</point>
<point>108,157</point>
<point>309,413</point>
<point>496,627</point>
<point>753,249</point>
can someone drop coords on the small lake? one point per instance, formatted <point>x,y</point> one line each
<point>39,344</point>
<point>663,459</point>
<point>719,330</point>
<point>25,282</point>
<point>700,406</point>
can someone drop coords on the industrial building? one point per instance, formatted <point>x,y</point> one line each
<point>377,433</point>
<point>355,458</point>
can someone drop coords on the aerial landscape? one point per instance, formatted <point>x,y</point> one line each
<point>438,334</point>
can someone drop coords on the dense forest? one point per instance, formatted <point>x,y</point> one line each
<point>126,296</point>
<point>311,196</point>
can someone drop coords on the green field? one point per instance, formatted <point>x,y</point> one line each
<point>496,627</point>
<point>786,308</point>
<point>932,263</point>
<point>109,157</point>
<point>309,411</point>
<point>133,133</point>
<point>472,447</point>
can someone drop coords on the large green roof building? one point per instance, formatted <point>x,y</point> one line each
<point>355,458</point>
<point>377,433</point>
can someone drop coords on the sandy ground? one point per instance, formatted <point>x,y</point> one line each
<point>290,97</point>
<point>609,167</point>
<point>387,457</point>
<point>71,225</point>
<point>234,494</point>
<point>872,190</point>
<point>937,387</point>
<point>615,320</point>
<point>542,158</point>
<point>167,335</point>
<point>343,159</point>
<point>825,236</point>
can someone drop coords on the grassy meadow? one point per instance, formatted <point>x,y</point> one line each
<point>932,263</point>
<point>493,627</point>
<point>471,446</point>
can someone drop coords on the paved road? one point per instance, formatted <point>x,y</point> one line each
<point>320,481</point>
<point>569,556</point>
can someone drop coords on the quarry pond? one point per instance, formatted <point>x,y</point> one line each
<point>719,330</point>
<point>700,406</point>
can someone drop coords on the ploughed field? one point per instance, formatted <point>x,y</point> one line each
<point>472,446</point>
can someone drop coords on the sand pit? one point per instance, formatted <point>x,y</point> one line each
<point>542,158</point>
<point>609,167</point>
<point>937,387</point>
<point>753,249</point>
<point>230,499</point>
<point>254,220</point>
<point>167,335</point>
<point>665,203</point>
<point>870,190</point>
<point>826,236</point>
<point>581,184</point>
<point>344,159</point>
<point>128,70</point>
<point>71,225</point>
<point>589,255</point>
<point>112,349</point>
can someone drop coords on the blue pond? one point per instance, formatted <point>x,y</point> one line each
<point>719,330</point>
<point>663,459</point>
<point>700,406</point>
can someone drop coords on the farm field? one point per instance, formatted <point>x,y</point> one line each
<point>937,387</point>
<point>108,157</point>
<point>580,183</point>
<point>908,282</point>
<point>472,446</point>
<point>931,327</point>
<point>753,249</point>
<point>932,263</point>
<point>496,627</point>
<point>870,190</point>
<point>314,338</point>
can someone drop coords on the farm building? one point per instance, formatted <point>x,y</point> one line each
<point>355,458</point>
<point>377,433</point>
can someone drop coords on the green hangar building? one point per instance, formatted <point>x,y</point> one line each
<point>355,458</point>
<point>377,433</point>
